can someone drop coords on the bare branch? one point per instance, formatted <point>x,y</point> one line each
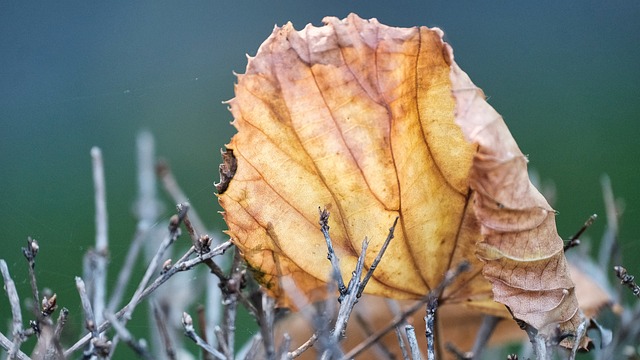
<point>30,252</point>
<point>16,313</point>
<point>627,280</point>
<point>99,273</point>
<point>164,331</point>
<point>187,323</point>
<point>413,342</point>
<point>575,239</point>
<point>304,347</point>
<point>137,346</point>
<point>331,255</point>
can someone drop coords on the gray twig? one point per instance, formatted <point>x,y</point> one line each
<point>450,276</point>
<point>161,323</point>
<point>575,239</point>
<point>489,323</point>
<point>16,313</point>
<point>30,252</point>
<point>102,240</point>
<point>7,344</point>
<point>266,320</point>
<point>430,320</point>
<point>376,261</point>
<point>304,347</point>
<point>627,280</point>
<point>403,347</point>
<point>187,323</point>
<point>331,255</point>
<point>138,347</point>
<point>179,266</point>
<point>413,342</point>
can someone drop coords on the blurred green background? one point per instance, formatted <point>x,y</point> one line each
<point>74,74</point>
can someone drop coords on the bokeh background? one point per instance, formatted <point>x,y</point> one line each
<point>74,74</point>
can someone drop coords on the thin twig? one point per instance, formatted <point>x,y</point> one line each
<point>102,239</point>
<point>187,323</point>
<point>89,319</point>
<point>178,267</point>
<point>609,250</point>
<point>383,350</point>
<point>430,321</point>
<point>489,323</point>
<point>460,355</point>
<point>403,347</point>
<point>16,313</point>
<point>7,344</point>
<point>30,252</point>
<point>266,321</point>
<point>283,349</point>
<point>62,320</point>
<point>304,347</point>
<point>202,328</point>
<point>331,255</point>
<point>161,323</point>
<point>230,293</point>
<point>627,280</point>
<point>450,276</point>
<point>137,346</point>
<point>376,261</point>
<point>413,342</point>
<point>575,239</point>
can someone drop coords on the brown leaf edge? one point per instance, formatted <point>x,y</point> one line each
<point>522,251</point>
<point>227,170</point>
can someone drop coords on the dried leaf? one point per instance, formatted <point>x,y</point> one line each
<point>358,117</point>
<point>523,253</point>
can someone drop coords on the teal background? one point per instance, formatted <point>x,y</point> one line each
<point>74,74</point>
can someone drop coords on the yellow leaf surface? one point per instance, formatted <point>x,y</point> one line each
<point>358,117</point>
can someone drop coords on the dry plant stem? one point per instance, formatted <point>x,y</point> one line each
<point>403,347</point>
<point>460,355</point>
<point>171,186</point>
<point>304,347</point>
<point>62,320</point>
<point>575,239</point>
<point>102,240</point>
<point>231,291</point>
<point>266,321</point>
<point>30,253</point>
<point>413,342</point>
<point>609,250</point>
<point>450,276</point>
<point>187,322</point>
<point>174,232</point>
<point>256,343</point>
<point>331,255</point>
<point>627,280</point>
<point>124,334</point>
<point>16,313</point>
<point>376,261</point>
<point>430,321</point>
<point>161,324</point>
<point>7,344</point>
<point>127,269</point>
<point>202,328</point>
<point>489,323</point>
<point>89,319</point>
<point>177,267</point>
<point>283,349</point>
<point>383,351</point>
<point>222,345</point>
